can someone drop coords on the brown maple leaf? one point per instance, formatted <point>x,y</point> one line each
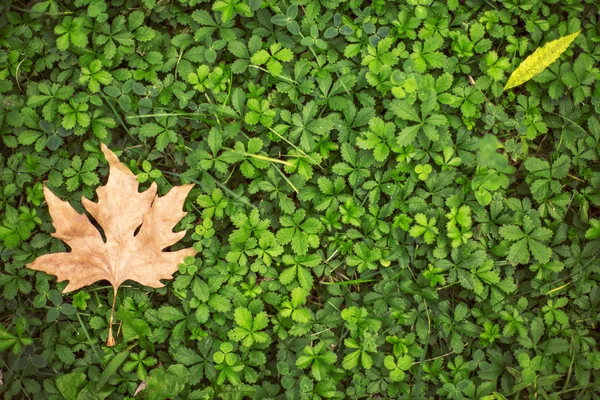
<point>122,254</point>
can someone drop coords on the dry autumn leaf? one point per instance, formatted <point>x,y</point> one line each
<point>125,252</point>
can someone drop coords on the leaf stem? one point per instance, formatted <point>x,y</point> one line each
<point>264,158</point>
<point>287,180</point>
<point>571,121</point>
<point>295,147</point>
<point>234,195</point>
<point>18,381</point>
<point>214,112</point>
<point>89,338</point>
<point>107,287</point>
<point>112,107</point>
<point>111,340</point>
<point>275,76</point>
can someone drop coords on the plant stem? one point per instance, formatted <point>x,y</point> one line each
<point>109,102</point>
<point>111,340</point>
<point>89,339</point>
<point>287,180</point>
<point>276,76</point>
<point>264,158</point>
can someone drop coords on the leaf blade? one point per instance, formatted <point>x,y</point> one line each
<point>539,60</point>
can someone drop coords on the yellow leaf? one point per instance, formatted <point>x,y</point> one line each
<point>541,59</point>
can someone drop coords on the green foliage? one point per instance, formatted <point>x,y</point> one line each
<point>375,217</point>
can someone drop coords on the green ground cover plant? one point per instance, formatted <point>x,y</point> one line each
<point>378,211</point>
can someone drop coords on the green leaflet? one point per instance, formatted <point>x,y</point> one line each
<point>541,59</point>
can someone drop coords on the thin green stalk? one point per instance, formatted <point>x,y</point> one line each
<point>87,335</point>
<point>19,382</point>
<point>214,113</point>
<point>261,157</point>
<point>571,121</point>
<point>350,282</point>
<point>287,180</point>
<point>112,107</point>
<point>285,78</point>
<point>225,188</point>
<point>295,147</point>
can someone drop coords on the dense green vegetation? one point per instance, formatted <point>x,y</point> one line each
<point>374,216</point>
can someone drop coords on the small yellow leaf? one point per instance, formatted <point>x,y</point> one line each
<point>541,59</point>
